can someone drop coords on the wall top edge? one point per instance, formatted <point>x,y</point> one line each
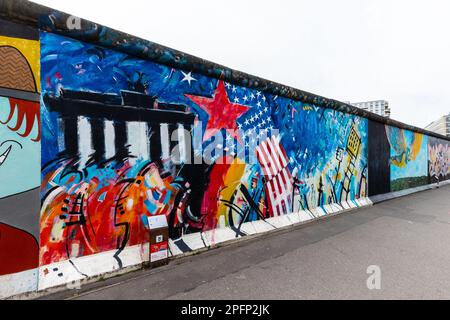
<point>51,20</point>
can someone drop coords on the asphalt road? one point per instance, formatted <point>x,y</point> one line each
<point>407,238</point>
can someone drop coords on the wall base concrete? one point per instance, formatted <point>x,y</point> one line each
<point>70,274</point>
<point>77,269</point>
<point>18,283</point>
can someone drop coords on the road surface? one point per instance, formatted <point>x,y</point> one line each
<point>408,239</point>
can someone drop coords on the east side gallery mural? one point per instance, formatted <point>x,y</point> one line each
<point>94,141</point>
<point>107,124</point>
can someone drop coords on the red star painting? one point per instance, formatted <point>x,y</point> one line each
<point>222,113</point>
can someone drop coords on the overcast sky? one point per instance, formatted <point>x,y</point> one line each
<point>349,50</point>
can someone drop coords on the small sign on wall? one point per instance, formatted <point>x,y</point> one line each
<point>157,222</point>
<point>159,241</point>
<point>159,252</point>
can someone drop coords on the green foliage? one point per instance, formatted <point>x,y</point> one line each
<point>406,183</point>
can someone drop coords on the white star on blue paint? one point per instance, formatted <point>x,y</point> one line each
<point>188,77</point>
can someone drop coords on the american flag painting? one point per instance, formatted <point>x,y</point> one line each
<point>259,132</point>
<point>279,183</point>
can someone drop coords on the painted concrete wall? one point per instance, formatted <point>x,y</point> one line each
<point>402,159</point>
<point>108,163</point>
<point>438,159</point>
<point>112,139</point>
<point>20,158</point>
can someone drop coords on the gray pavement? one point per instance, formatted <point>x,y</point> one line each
<point>408,238</point>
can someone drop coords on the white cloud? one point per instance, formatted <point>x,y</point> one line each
<point>347,50</point>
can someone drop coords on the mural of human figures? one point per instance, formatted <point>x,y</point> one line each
<point>19,151</point>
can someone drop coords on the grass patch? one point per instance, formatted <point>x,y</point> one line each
<point>410,182</point>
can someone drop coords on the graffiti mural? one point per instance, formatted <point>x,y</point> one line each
<point>125,139</point>
<point>93,142</point>
<point>438,160</point>
<point>327,153</point>
<point>19,155</point>
<point>95,198</point>
<point>408,158</point>
<point>111,125</point>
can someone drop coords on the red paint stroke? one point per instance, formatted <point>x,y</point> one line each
<point>210,203</point>
<point>19,250</point>
<point>28,111</point>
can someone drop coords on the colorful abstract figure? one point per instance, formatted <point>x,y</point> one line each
<point>19,154</point>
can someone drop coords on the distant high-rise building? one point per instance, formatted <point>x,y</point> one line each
<point>380,107</point>
<point>441,126</point>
